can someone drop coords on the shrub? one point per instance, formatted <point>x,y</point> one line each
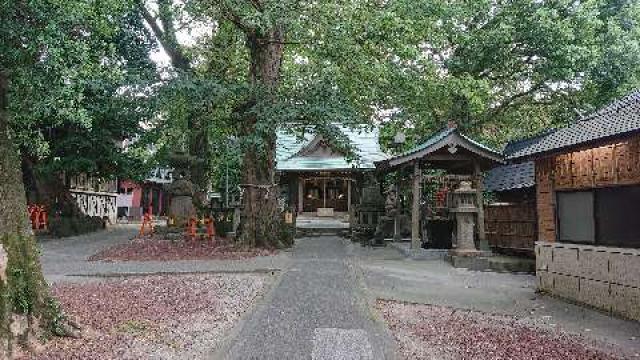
<point>71,226</point>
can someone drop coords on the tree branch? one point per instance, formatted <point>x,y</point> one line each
<point>166,37</point>
<point>257,5</point>
<point>235,18</point>
<point>510,100</point>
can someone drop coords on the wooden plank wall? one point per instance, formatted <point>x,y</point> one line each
<point>545,199</point>
<point>613,164</point>
<point>512,226</point>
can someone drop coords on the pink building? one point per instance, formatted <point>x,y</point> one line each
<point>136,198</point>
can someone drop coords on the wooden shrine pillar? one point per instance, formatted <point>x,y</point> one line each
<point>482,236</point>
<point>415,209</point>
<point>349,196</point>
<point>300,195</point>
<point>324,193</point>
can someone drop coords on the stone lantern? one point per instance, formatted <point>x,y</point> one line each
<point>465,210</point>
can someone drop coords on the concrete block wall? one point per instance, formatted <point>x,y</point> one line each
<point>602,277</point>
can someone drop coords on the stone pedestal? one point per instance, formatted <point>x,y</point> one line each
<point>465,224</point>
<point>465,213</point>
<point>386,225</point>
<point>182,208</point>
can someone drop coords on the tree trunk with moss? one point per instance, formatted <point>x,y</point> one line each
<point>26,308</point>
<point>262,224</point>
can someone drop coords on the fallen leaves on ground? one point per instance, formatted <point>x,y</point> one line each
<point>436,332</point>
<point>166,250</point>
<point>160,317</point>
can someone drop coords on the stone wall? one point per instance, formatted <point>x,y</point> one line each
<point>602,277</point>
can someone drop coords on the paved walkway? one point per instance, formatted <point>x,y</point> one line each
<point>317,311</point>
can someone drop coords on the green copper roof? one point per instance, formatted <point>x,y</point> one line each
<point>365,143</point>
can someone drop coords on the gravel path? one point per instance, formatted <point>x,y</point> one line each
<point>427,332</point>
<point>390,276</point>
<point>317,311</point>
<point>153,317</point>
<point>65,259</point>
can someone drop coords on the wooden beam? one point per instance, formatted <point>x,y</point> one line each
<point>415,210</point>
<point>447,157</point>
<point>480,203</point>
<point>436,178</point>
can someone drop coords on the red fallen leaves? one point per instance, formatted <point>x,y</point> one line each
<point>165,250</point>
<point>178,316</point>
<point>435,332</point>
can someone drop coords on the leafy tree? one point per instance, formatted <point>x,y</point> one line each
<point>505,69</point>
<point>269,65</point>
<point>502,69</point>
<point>62,86</point>
<point>78,106</point>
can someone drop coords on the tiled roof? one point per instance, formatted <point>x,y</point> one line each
<point>510,177</point>
<point>618,118</point>
<point>365,143</point>
<point>443,134</point>
<point>445,137</point>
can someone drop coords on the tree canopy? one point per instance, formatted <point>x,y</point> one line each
<point>244,68</point>
<point>81,82</point>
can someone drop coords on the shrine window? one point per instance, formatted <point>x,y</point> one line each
<point>604,216</point>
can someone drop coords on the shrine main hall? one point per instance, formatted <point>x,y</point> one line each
<point>317,179</point>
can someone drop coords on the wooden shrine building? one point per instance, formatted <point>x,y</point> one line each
<point>453,152</point>
<point>317,179</point>
<point>587,189</point>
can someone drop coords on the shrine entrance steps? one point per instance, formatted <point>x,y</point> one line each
<point>308,225</point>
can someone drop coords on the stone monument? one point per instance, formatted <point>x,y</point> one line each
<point>182,208</point>
<point>388,223</point>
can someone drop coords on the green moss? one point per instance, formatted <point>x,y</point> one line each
<point>25,291</point>
<point>5,310</point>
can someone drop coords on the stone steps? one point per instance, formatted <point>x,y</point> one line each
<point>309,232</point>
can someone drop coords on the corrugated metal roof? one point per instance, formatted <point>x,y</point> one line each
<point>511,177</point>
<point>365,143</point>
<point>620,117</point>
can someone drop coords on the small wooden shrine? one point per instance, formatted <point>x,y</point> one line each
<point>464,160</point>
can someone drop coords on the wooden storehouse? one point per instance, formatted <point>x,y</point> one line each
<point>587,189</point>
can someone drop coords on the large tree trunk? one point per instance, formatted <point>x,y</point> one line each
<point>199,167</point>
<point>262,223</point>
<point>48,190</point>
<point>26,309</point>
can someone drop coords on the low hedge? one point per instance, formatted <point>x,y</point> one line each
<point>72,226</point>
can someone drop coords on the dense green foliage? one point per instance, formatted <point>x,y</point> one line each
<point>80,84</point>
<point>73,72</point>
<point>501,69</point>
<point>505,69</point>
